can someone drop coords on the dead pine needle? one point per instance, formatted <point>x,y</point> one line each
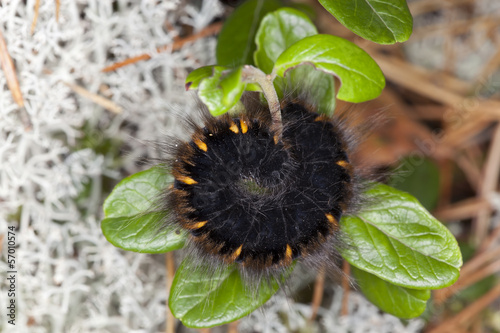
<point>468,314</point>
<point>102,101</point>
<point>319,287</point>
<point>232,327</point>
<point>58,8</point>
<point>13,83</point>
<point>208,31</point>
<point>346,268</point>
<point>35,17</point>
<point>170,266</point>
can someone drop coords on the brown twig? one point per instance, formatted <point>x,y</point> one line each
<point>208,31</point>
<point>102,101</point>
<point>346,268</point>
<point>35,17</point>
<point>170,267</point>
<point>319,288</point>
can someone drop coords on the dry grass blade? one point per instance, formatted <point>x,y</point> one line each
<point>208,31</point>
<point>102,101</point>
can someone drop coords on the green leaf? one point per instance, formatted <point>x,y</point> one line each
<point>319,85</point>
<point>419,177</point>
<point>128,225</point>
<point>360,75</point>
<point>277,32</point>
<point>399,301</point>
<point>383,22</point>
<point>194,78</point>
<point>232,87</point>
<point>235,45</point>
<point>221,92</point>
<point>397,240</point>
<point>200,299</point>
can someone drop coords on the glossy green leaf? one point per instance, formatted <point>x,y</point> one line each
<point>221,92</point>
<point>277,32</point>
<point>194,78</point>
<point>383,22</point>
<point>361,78</point>
<point>399,301</point>
<point>318,85</point>
<point>200,299</point>
<point>399,241</point>
<point>420,177</point>
<point>232,87</point>
<point>128,225</point>
<point>236,45</point>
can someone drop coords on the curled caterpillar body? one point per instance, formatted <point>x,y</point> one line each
<point>247,197</point>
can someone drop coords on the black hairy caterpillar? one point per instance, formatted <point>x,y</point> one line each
<point>247,197</point>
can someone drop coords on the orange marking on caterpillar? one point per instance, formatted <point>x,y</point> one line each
<point>343,164</point>
<point>197,225</point>
<point>276,139</point>
<point>202,145</point>
<point>236,253</point>
<point>244,126</point>
<point>234,128</point>
<point>288,253</point>
<point>186,180</point>
<point>321,118</point>
<point>332,220</point>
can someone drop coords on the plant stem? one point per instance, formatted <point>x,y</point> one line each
<point>252,74</point>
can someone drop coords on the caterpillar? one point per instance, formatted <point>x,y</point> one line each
<point>247,197</point>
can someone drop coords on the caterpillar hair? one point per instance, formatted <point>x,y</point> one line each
<point>248,198</point>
